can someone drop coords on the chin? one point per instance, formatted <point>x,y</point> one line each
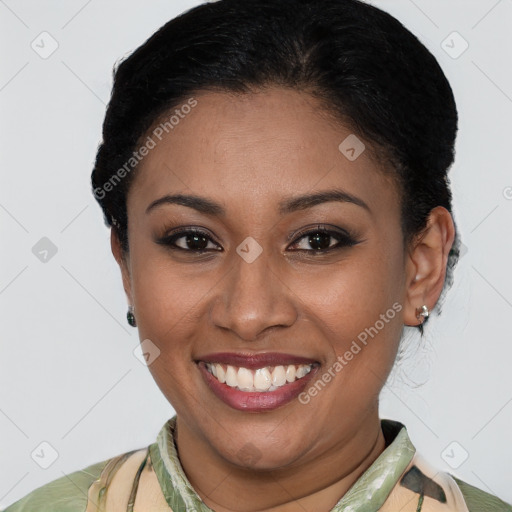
<point>261,454</point>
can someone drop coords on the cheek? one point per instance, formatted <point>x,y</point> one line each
<point>351,295</point>
<point>169,305</point>
<point>357,308</point>
<point>169,297</point>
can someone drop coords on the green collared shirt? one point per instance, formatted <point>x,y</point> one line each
<point>399,479</point>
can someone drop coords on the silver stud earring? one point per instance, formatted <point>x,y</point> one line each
<point>131,317</point>
<point>422,313</point>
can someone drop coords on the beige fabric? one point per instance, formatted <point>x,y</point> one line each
<point>405,500</point>
<point>96,495</point>
<point>118,481</point>
<point>120,488</point>
<point>149,495</point>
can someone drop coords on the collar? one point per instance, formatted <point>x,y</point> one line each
<point>367,494</point>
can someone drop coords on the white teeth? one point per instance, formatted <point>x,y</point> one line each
<point>231,377</point>
<point>290,373</point>
<point>278,376</point>
<point>261,379</point>
<point>221,373</point>
<point>245,379</point>
<point>302,371</point>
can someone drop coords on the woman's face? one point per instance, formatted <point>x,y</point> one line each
<point>260,287</point>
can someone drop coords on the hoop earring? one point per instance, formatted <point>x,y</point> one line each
<point>131,317</point>
<point>422,312</point>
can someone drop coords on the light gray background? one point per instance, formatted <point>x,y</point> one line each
<point>68,374</point>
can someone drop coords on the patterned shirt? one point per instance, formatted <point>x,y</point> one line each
<point>152,480</point>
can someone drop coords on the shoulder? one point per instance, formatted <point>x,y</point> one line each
<point>478,500</point>
<point>435,488</point>
<point>68,493</point>
<point>430,487</point>
<point>72,492</point>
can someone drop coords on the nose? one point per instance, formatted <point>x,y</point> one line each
<point>254,298</point>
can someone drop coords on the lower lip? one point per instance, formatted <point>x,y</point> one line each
<point>256,401</point>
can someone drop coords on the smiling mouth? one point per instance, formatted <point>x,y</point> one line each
<point>258,380</point>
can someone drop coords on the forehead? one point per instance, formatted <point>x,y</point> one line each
<point>254,148</point>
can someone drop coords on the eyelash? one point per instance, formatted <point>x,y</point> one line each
<point>344,240</point>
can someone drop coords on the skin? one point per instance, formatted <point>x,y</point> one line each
<point>247,153</point>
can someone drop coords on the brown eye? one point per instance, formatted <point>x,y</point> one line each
<point>191,240</point>
<point>320,240</point>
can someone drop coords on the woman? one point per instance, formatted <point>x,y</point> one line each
<point>275,176</point>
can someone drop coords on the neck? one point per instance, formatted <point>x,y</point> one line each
<point>225,487</point>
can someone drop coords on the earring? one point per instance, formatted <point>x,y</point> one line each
<point>131,317</point>
<point>422,312</point>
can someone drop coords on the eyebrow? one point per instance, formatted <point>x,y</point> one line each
<point>286,206</point>
<point>325,196</point>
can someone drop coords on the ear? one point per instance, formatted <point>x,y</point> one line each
<point>123,261</point>
<point>426,264</point>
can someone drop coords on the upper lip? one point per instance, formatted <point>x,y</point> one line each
<point>253,361</point>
